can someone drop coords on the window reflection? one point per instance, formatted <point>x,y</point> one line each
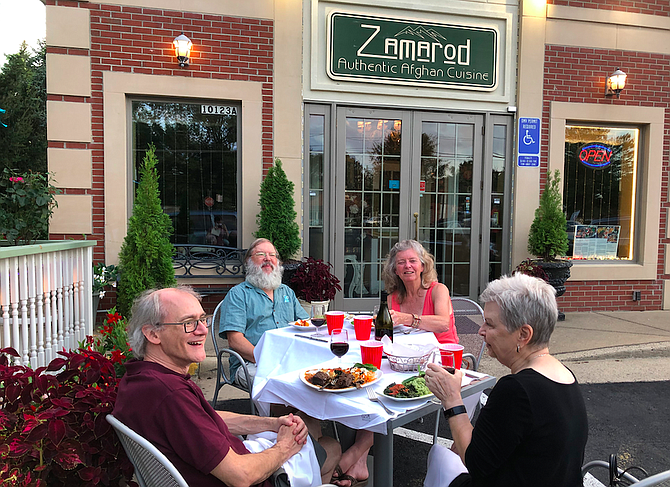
<point>599,191</point>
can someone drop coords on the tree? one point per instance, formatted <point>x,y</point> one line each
<point>548,236</point>
<point>145,260</point>
<point>276,221</point>
<point>23,97</point>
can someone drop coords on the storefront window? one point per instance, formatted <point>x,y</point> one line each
<point>599,191</point>
<point>316,169</point>
<point>196,146</point>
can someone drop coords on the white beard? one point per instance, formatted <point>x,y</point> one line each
<point>257,277</point>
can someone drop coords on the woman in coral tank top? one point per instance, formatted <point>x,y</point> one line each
<point>416,299</point>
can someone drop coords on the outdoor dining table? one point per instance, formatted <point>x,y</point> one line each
<point>283,353</point>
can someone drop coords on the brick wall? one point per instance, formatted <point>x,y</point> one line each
<point>648,7</point>
<point>577,75</point>
<point>139,40</point>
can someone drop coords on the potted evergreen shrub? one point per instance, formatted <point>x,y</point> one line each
<point>145,260</point>
<point>548,237</point>
<point>313,282</point>
<point>276,220</point>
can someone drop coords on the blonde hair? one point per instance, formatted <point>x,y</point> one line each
<point>393,282</point>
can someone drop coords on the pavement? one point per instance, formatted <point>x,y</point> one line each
<point>599,347</point>
<point>622,360</point>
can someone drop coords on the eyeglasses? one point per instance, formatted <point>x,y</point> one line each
<point>191,325</point>
<point>272,255</point>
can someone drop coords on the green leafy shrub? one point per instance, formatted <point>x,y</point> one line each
<point>145,260</point>
<point>27,201</point>
<point>53,430</point>
<point>548,236</point>
<point>276,220</point>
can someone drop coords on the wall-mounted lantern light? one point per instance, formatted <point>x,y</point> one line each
<point>182,49</point>
<point>615,83</point>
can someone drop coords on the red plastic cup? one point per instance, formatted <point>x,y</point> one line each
<point>457,351</point>
<point>334,320</point>
<point>371,353</point>
<point>363,326</point>
<point>447,358</point>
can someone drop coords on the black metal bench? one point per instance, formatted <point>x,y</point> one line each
<point>206,261</point>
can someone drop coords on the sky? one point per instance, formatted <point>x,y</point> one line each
<point>22,20</point>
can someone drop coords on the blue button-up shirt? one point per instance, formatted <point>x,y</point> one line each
<point>249,310</point>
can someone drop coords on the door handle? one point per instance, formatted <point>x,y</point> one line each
<point>416,226</point>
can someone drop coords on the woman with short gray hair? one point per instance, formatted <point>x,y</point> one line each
<point>533,428</point>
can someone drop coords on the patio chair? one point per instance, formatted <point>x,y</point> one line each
<point>152,468</point>
<point>223,355</point>
<point>618,477</point>
<point>469,316</point>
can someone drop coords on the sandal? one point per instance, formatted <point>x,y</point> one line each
<point>341,476</point>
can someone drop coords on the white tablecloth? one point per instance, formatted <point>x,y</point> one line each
<point>280,356</point>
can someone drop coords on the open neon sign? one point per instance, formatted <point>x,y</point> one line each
<point>595,155</point>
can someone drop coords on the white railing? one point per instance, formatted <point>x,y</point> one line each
<point>46,298</point>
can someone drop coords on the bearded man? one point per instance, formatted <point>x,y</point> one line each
<point>258,304</point>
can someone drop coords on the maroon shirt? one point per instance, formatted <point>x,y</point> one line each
<point>169,410</point>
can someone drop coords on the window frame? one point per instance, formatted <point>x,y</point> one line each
<point>650,121</point>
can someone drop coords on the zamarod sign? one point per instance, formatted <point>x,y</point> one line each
<point>407,52</point>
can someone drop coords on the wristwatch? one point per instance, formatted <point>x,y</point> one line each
<point>416,321</point>
<point>456,410</point>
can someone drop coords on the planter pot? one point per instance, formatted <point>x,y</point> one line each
<point>96,302</point>
<point>307,306</point>
<point>558,271</point>
<point>290,266</point>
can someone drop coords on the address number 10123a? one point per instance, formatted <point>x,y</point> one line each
<point>217,110</point>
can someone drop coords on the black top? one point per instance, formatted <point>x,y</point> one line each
<point>531,432</point>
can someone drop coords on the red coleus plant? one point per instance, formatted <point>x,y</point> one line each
<point>112,342</point>
<point>52,423</point>
<point>313,281</point>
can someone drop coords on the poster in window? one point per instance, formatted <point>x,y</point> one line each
<point>596,241</point>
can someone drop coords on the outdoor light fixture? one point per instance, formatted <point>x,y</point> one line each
<point>182,49</point>
<point>615,83</point>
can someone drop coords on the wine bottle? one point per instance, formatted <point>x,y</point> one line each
<point>384,323</point>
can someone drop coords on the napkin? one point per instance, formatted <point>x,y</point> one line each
<point>408,350</point>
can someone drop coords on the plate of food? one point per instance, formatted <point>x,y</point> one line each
<point>408,390</point>
<point>304,325</point>
<point>340,379</point>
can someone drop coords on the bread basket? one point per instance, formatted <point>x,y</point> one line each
<point>401,363</point>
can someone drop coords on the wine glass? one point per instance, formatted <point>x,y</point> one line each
<point>339,343</point>
<point>318,316</point>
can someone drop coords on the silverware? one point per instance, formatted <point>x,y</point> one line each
<point>310,337</point>
<point>372,395</point>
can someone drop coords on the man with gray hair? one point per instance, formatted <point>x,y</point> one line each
<point>258,304</point>
<point>157,399</point>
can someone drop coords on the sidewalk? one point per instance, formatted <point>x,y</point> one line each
<point>598,346</point>
<point>628,346</point>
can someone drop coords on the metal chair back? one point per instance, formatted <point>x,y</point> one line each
<point>469,316</point>
<point>152,468</point>
<point>623,477</point>
<point>223,354</point>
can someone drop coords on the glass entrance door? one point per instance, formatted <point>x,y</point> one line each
<point>406,174</point>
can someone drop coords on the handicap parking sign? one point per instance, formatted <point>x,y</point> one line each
<point>529,142</point>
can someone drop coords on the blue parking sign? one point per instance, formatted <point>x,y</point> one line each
<point>529,136</point>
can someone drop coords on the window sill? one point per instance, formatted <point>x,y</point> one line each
<point>611,271</point>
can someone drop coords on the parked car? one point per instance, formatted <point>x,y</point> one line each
<point>206,227</point>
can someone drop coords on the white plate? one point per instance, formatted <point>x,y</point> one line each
<point>310,327</point>
<point>403,398</point>
<point>378,376</point>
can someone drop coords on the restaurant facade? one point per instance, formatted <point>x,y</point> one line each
<point>437,121</point>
